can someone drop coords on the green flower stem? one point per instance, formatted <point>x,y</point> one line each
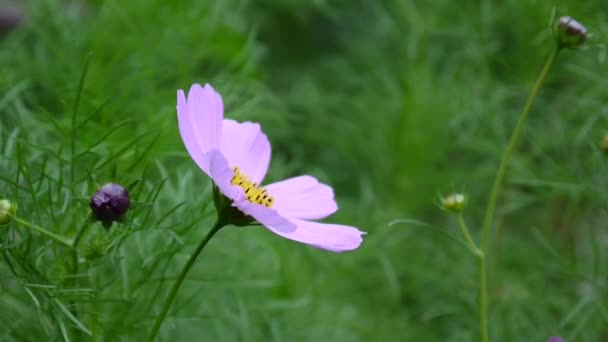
<point>483,298</point>
<point>60,239</point>
<point>496,187</point>
<point>79,234</point>
<point>506,157</point>
<point>169,300</point>
<point>483,316</point>
<point>94,306</point>
<point>81,230</point>
<point>467,235</point>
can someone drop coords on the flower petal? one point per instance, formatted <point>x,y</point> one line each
<point>200,119</point>
<point>303,197</point>
<point>331,237</point>
<point>186,130</point>
<point>221,174</point>
<point>246,146</point>
<point>266,216</point>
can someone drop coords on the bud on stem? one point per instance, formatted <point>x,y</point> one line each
<point>7,209</point>
<point>110,203</point>
<point>569,33</point>
<point>454,202</point>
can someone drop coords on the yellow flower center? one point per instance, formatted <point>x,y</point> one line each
<point>255,193</point>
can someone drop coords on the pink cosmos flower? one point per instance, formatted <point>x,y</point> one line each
<point>236,156</point>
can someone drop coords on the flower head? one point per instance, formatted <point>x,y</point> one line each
<point>7,209</point>
<point>604,143</point>
<point>110,203</point>
<point>236,156</point>
<point>555,339</point>
<point>454,202</point>
<point>569,32</point>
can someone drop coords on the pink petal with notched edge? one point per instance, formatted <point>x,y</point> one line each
<point>186,131</point>
<point>331,237</point>
<point>204,115</point>
<point>303,197</point>
<point>246,146</point>
<point>221,174</point>
<point>266,216</point>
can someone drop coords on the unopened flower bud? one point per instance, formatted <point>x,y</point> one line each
<point>555,339</point>
<point>7,209</point>
<point>454,202</point>
<point>96,249</point>
<point>110,203</point>
<point>604,143</point>
<point>570,33</point>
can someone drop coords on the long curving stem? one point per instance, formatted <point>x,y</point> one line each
<point>506,157</point>
<point>180,279</point>
<point>496,187</point>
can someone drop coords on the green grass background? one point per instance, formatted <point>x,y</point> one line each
<point>391,102</point>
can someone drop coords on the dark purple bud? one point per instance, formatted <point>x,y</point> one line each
<point>9,18</point>
<point>109,203</point>
<point>555,339</point>
<point>570,33</point>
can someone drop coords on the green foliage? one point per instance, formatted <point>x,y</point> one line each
<point>390,102</point>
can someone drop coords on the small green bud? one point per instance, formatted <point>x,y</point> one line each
<point>569,33</point>
<point>7,209</point>
<point>604,143</point>
<point>96,249</point>
<point>454,202</point>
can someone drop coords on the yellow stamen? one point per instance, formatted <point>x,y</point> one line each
<point>254,192</point>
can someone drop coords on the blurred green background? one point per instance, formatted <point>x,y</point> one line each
<point>391,102</point>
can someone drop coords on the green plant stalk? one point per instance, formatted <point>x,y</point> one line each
<point>483,315</point>
<point>60,239</point>
<point>483,298</point>
<point>496,187</point>
<point>79,233</point>
<point>94,306</point>
<point>180,279</point>
<point>465,232</point>
<point>81,230</point>
<point>506,157</point>
<point>74,112</point>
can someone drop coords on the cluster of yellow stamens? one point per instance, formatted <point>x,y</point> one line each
<point>254,192</point>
